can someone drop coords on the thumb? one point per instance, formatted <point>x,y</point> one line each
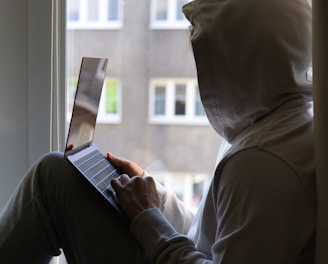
<point>116,161</point>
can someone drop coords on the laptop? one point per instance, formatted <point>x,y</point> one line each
<point>86,157</point>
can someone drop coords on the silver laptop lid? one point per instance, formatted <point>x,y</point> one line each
<point>86,103</point>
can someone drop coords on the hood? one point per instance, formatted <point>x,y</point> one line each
<point>252,58</point>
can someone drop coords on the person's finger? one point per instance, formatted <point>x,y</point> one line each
<point>117,185</point>
<point>69,147</point>
<point>124,165</point>
<point>116,161</point>
<point>124,179</point>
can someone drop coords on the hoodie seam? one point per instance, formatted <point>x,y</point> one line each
<point>209,58</point>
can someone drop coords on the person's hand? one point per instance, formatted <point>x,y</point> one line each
<point>69,147</point>
<point>136,194</point>
<point>125,166</point>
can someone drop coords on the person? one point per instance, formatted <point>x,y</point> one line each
<point>252,59</point>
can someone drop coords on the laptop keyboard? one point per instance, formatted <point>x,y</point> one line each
<point>99,171</point>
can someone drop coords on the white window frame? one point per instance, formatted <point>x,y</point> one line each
<point>102,23</point>
<point>169,116</point>
<point>108,118</point>
<point>171,22</point>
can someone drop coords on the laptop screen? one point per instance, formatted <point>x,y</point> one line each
<point>86,103</point>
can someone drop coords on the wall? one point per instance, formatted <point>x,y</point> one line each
<point>26,82</point>
<point>13,95</point>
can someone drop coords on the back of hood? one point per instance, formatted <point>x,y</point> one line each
<point>252,57</point>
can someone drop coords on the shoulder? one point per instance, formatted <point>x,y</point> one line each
<point>254,162</point>
<point>258,173</point>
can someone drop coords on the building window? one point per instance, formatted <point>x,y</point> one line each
<point>159,107</point>
<point>110,102</point>
<point>189,187</point>
<point>175,101</point>
<point>94,14</point>
<point>167,14</point>
<point>180,99</point>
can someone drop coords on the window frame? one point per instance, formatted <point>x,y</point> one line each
<point>108,118</point>
<point>102,23</point>
<point>169,117</point>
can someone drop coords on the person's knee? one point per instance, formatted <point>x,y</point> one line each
<point>53,168</point>
<point>52,159</point>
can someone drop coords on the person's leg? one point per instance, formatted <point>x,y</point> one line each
<point>54,207</point>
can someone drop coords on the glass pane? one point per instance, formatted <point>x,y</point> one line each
<point>137,56</point>
<point>199,110</point>
<point>113,10</point>
<point>111,97</point>
<point>180,99</point>
<point>73,13</point>
<point>93,10</point>
<point>180,15</point>
<point>160,100</point>
<point>161,10</point>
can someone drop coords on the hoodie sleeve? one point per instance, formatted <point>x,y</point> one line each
<point>162,241</point>
<point>257,217</point>
<point>175,211</point>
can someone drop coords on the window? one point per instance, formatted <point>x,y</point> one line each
<point>127,114</point>
<point>167,14</point>
<point>94,14</point>
<point>175,101</point>
<point>189,187</point>
<point>110,102</point>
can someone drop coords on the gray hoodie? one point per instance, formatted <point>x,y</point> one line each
<point>252,59</point>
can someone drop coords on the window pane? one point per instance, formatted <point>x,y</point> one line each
<point>160,100</point>
<point>161,10</point>
<point>93,10</point>
<point>143,66</point>
<point>180,16</point>
<point>199,110</point>
<point>73,10</point>
<point>180,99</point>
<point>113,10</point>
<point>111,97</point>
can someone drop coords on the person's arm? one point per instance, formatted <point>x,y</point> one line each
<point>262,212</point>
<point>173,209</point>
<point>139,199</point>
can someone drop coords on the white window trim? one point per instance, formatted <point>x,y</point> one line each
<point>103,23</point>
<point>169,117</point>
<point>171,22</point>
<point>107,118</point>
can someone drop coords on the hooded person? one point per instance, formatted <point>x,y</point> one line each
<point>252,59</point>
